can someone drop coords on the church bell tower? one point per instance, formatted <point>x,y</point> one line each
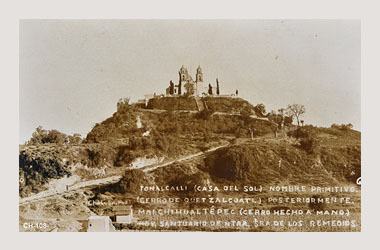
<point>182,74</point>
<point>199,75</point>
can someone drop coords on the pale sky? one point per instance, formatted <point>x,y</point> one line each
<point>72,72</point>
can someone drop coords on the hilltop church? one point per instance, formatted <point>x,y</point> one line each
<point>187,86</point>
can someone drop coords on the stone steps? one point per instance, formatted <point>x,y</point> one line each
<point>200,104</point>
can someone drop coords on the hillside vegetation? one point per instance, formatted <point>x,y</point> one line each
<point>215,104</point>
<point>132,133</point>
<point>228,104</point>
<point>170,133</point>
<point>336,161</point>
<point>173,103</point>
<point>265,161</point>
<point>129,134</point>
<point>254,152</point>
<point>39,164</point>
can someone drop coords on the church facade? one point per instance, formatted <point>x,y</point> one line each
<point>187,85</point>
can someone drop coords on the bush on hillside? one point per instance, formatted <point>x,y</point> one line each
<point>309,144</point>
<point>204,114</point>
<point>343,127</point>
<point>125,156</point>
<point>43,136</point>
<point>307,139</point>
<point>238,163</point>
<point>178,175</point>
<point>132,179</point>
<point>37,169</point>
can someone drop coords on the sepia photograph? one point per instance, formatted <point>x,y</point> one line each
<point>189,125</point>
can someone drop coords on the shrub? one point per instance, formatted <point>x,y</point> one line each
<point>125,156</point>
<point>307,139</point>
<point>204,114</point>
<point>132,180</point>
<point>343,127</point>
<point>42,136</point>
<point>93,156</point>
<point>309,144</point>
<point>298,133</point>
<point>37,170</point>
<point>162,144</point>
<point>237,163</point>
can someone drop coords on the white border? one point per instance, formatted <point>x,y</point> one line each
<point>14,10</point>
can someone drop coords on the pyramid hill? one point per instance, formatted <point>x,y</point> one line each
<point>152,133</point>
<point>225,141</point>
<point>172,127</point>
<point>134,133</point>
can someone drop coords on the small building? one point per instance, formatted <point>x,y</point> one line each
<point>100,224</point>
<point>123,214</point>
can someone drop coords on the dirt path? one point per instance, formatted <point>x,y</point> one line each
<point>108,180</point>
<point>50,192</point>
<point>189,157</point>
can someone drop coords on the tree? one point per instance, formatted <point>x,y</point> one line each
<point>123,102</point>
<point>274,128</point>
<point>38,135</point>
<point>171,88</point>
<point>217,87</point>
<point>288,120</point>
<point>57,137</point>
<point>42,136</point>
<point>276,118</point>
<point>343,127</point>
<point>180,88</point>
<point>296,110</point>
<point>307,139</point>
<point>209,89</point>
<point>75,139</point>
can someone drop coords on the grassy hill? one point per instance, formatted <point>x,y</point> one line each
<point>228,104</point>
<point>132,133</point>
<point>306,156</point>
<point>336,162</point>
<point>171,133</point>
<point>173,103</point>
<point>216,104</point>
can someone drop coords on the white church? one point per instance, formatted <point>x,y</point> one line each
<point>187,86</point>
